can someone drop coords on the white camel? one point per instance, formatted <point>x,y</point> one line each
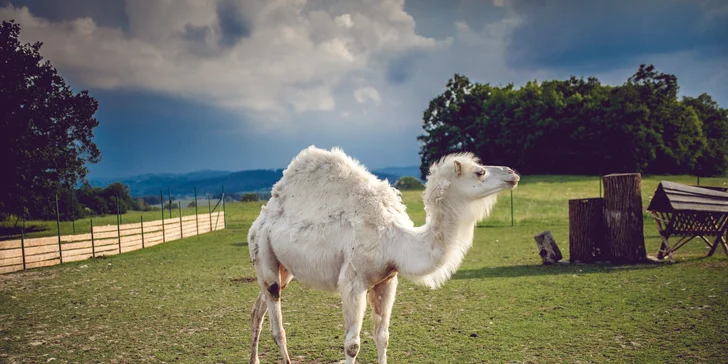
<point>336,227</point>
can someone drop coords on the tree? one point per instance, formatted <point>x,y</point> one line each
<point>249,197</point>
<point>47,130</point>
<point>714,159</point>
<point>579,126</point>
<point>409,183</point>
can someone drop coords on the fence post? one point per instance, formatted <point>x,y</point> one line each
<point>161,201</point>
<point>197,219</point>
<point>512,223</point>
<point>58,225</point>
<point>223,206</point>
<point>179,204</point>
<point>22,240</point>
<point>73,211</point>
<point>698,180</point>
<point>169,194</point>
<point>93,247</point>
<point>141,223</point>
<point>209,211</point>
<point>600,186</point>
<point>118,222</point>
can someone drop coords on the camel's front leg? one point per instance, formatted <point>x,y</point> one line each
<point>381,297</point>
<point>354,304</point>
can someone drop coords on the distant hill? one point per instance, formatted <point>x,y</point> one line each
<point>260,180</point>
<point>413,171</point>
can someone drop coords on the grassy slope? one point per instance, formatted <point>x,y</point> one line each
<point>189,301</point>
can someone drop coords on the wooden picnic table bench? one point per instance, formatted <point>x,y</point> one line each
<point>690,212</point>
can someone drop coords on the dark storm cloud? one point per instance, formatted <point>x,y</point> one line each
<point>576,33</point>
<point>401,68</point>
<point>108,13</point>
<point>233,24</point>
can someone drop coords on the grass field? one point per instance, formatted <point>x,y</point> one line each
<point>189,300</point>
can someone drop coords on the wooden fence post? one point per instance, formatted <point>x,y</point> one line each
<point>58,224</point>
<point>22,240</point>
<point>209,210</point>
<point>161,201</point>
<point>141,223</point>
<point>93,246</point>
<point>623,212</point>
<point>118,222</point>
<point>512,220</point>
<point>197,219</point>
<point>179,204</point>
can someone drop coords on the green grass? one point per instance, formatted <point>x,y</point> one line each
<point>189,300</point>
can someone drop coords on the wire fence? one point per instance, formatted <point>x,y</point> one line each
<point>107,235</point>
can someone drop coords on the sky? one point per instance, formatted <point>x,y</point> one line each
<point>187,85</point>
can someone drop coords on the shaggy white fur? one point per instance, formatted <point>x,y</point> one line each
<point>337,227</point>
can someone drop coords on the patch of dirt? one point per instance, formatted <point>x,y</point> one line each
<point>23,277</point>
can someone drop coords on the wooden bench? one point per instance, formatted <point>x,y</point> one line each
<point>690,212</point>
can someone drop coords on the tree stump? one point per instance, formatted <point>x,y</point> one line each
<point>587,230</point>
<point>623,215</point>
<point>547,248</point>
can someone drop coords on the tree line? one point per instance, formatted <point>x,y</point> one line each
<point>579,126</point>
<point>87,201</point>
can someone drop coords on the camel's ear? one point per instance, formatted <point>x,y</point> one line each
<point>458,169</point>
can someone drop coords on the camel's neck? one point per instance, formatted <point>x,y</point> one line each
<point>431,253</point>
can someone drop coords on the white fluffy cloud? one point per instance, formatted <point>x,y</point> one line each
<point>282,64</point>
<point>288,56</point>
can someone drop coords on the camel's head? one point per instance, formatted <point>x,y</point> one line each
<point>461,178</point>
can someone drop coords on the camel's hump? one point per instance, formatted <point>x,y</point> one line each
<point>330,182</point>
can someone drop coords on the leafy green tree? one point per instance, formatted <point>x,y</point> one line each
<point>47,130</point>
<point>714,159</point>
<point>409,183</point>
<point>578,126</point>
<point>249,197</point>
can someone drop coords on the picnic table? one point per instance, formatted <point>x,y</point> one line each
<point>689,212</point>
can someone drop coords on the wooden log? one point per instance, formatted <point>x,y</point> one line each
<point>547,248</point>
<point>587,230</point>
<point>623,213</point>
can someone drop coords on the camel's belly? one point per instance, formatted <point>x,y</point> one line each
<point>314,262</point>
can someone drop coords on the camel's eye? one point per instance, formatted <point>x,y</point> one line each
<point>480,173</point>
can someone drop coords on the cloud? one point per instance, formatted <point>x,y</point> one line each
<point>575,33</point>
<point>270,60</point>
<point>367,94</point>
<point>282,66</point>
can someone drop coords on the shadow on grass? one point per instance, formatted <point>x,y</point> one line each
<point>241,243</point>
<point>557,269</point>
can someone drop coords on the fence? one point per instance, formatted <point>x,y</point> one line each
<point>105,240</point>
<point>109,239</point>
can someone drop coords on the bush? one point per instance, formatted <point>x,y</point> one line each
<point>249,197</point>
<point>192,204</point>
<point>409,183</point>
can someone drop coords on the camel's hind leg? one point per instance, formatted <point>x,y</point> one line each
<point>256,321</point>
<point>273,300</point>
<point>272,278</point>
<point>381,298</point>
